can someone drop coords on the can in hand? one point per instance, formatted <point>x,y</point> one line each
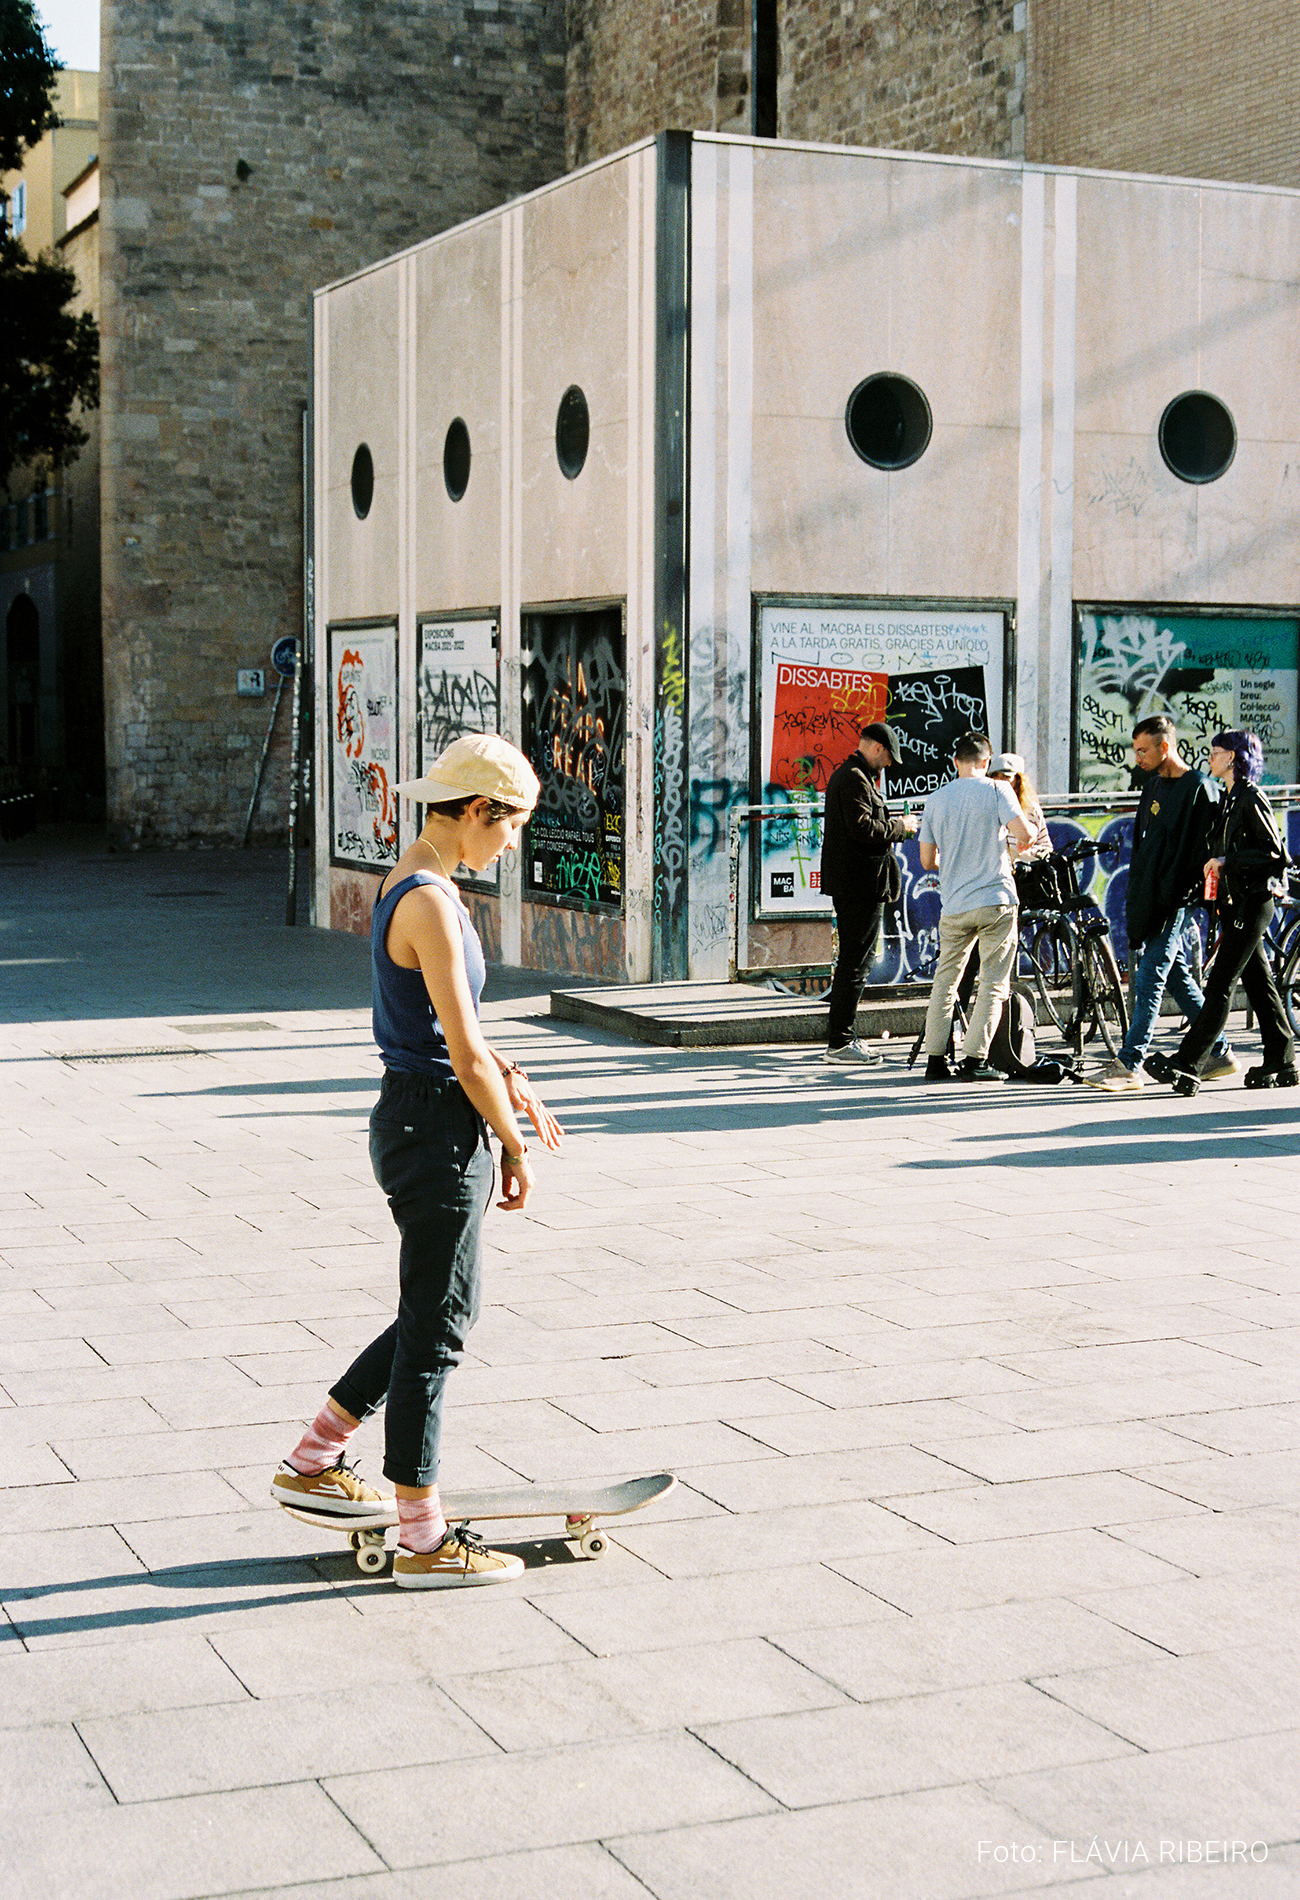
<point>1211,881</point>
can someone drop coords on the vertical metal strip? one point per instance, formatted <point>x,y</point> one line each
<point>670,939</point>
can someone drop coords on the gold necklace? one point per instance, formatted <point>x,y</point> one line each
<point>437,854</point>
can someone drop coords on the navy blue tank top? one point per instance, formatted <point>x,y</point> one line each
<point>406,1027</point>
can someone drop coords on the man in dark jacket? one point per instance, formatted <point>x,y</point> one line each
<point>859,872</point>
<point>1169,848</point>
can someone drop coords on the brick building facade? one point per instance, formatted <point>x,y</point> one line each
<point>1178,87</point>
<point>250,152</point>
<point>1174,87</point>
<point>920,75</point>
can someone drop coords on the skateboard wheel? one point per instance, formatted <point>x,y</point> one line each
<point>371,1557</point>
<point>593,1544</point>
<point>355,1539</point>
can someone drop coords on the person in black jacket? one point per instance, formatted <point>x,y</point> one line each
<point>1170,838</point>
<point>859,873</point>
<point>1247,861</point>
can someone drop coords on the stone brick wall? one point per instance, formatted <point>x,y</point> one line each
<point>1178,87</point>
<point>916,75</point>
<point>252,150</point>
<point>635,69</point>
<point>921,75</point>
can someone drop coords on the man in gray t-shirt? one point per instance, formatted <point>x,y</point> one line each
<point>964,830</point>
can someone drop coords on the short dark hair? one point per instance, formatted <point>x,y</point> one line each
<point>1159,725</point>
<point>971,748</point>
<point>457,807</point>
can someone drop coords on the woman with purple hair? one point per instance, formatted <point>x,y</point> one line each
<point>1247,860</point>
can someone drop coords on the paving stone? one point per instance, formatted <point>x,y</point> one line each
<point>112,1678</point>
<point>48,1771</point>
<point>458,1810</point>
<point>1010,1570</point>
<point>874,1850</point>
<point>1178,1701</point>
<point>1231,1790</point>
<point>169,1850</point>
<point>1043,1504</point>
<point>301,1737</point>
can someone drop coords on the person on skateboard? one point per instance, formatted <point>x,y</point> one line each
<point>443,1089</point>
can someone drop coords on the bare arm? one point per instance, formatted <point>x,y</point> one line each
<point>929,855</point>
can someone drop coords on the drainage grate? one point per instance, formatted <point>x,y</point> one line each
<point>219,1028</point>
<point>164,1052</point>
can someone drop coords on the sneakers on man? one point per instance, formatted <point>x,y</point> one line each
<point>338,1490</point>
<point>938,1069</point>
<point>1115,1079</point>
<point>1219,1066</point>
<point>854,1052</point>
<point>461,1559</point>
<point>976,1069</point>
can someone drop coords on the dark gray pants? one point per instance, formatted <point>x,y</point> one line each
<point>428,1148</point>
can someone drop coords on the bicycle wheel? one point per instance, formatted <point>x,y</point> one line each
<point>1289,984</point>
<point>1102,994</point>
<point>1050,950</point>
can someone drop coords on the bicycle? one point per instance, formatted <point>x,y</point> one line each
<point>1071,958</point>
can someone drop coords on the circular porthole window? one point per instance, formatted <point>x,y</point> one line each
<point>572,432</point>
<point>1198,437</point>
<point>363,482</point>
<point>455,459</point>
<point>888,421</point>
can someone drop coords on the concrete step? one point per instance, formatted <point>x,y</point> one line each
<point>720,1015</point>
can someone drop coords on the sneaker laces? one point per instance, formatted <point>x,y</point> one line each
<point>468,1540</point>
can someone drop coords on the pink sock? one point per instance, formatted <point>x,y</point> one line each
<point>421,1525</point>
<point>322,1445</point>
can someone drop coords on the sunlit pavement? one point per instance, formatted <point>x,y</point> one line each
<point>985,1404</point>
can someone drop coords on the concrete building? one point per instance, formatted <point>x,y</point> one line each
<point>51,684</point>
<point>250,152</point>
<point>680,468</point>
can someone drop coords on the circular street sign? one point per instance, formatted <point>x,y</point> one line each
<point>284,656</point>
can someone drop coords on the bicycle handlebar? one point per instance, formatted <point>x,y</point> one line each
<point>1087,848</point>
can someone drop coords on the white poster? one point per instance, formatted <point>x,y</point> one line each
<point>457,692</point>
<point>363,752</point>
<point>824,673</point>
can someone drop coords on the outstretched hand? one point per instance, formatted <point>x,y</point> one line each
<point>525,1100</point>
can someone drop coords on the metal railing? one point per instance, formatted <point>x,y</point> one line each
<point>1283,798</point>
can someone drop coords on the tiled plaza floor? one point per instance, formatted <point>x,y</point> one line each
<point>985,1404</point>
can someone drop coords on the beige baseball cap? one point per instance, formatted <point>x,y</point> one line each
<point>479,765</point>
<point>1006,765</point>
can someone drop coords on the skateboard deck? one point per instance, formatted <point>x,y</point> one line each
<point>582,1506</point>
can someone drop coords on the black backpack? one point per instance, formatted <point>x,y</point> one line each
<point>1013,1049</point>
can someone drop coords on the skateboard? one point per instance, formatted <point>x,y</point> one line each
<point>581,1506</point>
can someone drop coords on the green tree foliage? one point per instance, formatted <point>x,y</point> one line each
<point>27,74</point>
<point>49,358</point>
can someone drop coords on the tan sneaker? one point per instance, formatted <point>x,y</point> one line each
<point>1115,1079</point>
<point>460,1559</point>
<point>338,1490</point>
<point>1219,1066</point>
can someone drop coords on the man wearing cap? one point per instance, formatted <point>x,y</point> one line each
<point>964,832</point>
<point>859,873</point>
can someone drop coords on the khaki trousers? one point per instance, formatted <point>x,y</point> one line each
<point>994,929</point>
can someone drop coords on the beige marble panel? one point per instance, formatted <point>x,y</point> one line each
<point>821,294</point>
<point>1134,522</point>
<point>1250,351</point>
<point>953,264</point>
<point>1137,328</point>
<point>1248,528</point>
<point>458,373</point>
<point>954,517</point>
<point>1253,234</point>
<point>820,516</point>
<point>865,264</point>
<point>574,321</point>
<point>362,576</point>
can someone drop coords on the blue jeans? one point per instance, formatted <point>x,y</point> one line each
<point>428,1148</point>
<point>1162,966</point>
